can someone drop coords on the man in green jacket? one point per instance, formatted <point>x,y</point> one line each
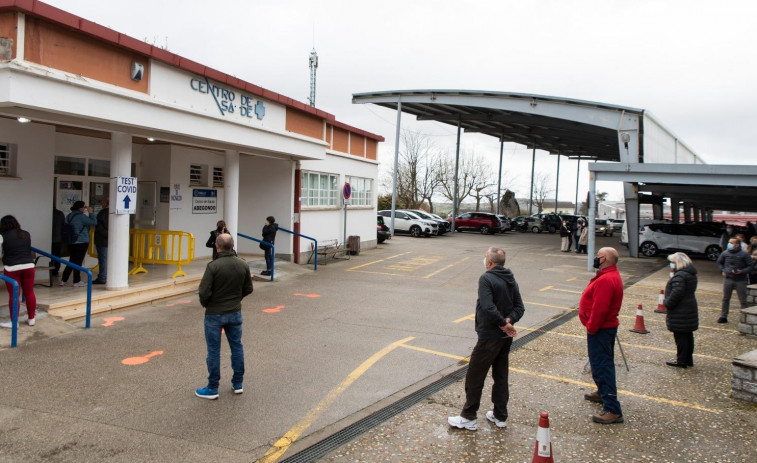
<point>226,281</point>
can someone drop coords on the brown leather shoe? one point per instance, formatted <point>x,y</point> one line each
<point>605,417</point>
<point>593,397</point>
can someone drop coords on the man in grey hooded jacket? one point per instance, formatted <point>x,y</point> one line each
<point>498,308</point>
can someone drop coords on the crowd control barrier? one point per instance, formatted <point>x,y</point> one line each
<point>264,243</point>
<point>14,309</point>
<point>315,250</point>
<point>165,247</point>
<point>76,267</point>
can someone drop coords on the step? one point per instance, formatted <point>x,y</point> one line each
<point>107,301</point>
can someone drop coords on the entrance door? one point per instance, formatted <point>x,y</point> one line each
<point>67,192</point>
<point>97,192</point>
<point>147,204</point>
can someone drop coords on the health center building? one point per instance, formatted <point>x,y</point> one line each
<point>84,108</point>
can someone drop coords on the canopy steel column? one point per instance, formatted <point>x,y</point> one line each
<point>499,177</point>
<point>675,210</point>
<point>396,161</point>
<point>687,212</point>
<point>578,171</point>
<point>557,182</point>
<point>696,214</point>
<point>457,166</point>
<point>531,196</point>
<point>592,236</point>
<point>118,224</point>
<point>231,192</point>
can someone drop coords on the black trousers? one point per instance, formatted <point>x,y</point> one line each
<point>78,252</point>
<point>494,353</point>
<point>685,347</point>
<point>55,249</point>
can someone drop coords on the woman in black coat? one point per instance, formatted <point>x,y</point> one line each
<point>683,312</point>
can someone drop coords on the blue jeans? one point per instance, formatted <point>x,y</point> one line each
<point>102,262</point>
<point>602,359</point>
<point>232,324</point>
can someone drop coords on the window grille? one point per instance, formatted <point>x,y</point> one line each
<point>195,175</point>
<point>5,160</point>
<point>218,176</point>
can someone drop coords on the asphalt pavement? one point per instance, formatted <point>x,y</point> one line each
<point>327,349</point>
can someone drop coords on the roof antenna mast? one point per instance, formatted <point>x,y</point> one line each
<point>313,69</point>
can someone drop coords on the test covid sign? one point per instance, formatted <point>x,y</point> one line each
<point>126,195</point>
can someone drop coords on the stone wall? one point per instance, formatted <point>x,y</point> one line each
<point>748,316</point>
<point>744,382</point>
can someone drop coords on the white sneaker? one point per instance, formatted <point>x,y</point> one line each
<point>462,423</point>
<point>79,284</point>
<point>6,325</point>
<point>62,283</point>
<point>490,416</point>
<point>30,322</point>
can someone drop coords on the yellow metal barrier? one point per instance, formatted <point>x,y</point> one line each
<point>166,247</point>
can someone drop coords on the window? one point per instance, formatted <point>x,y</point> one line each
<point>98,168</point>
<point>362,191</point>
<point>195,175</point>
<point>319,189</point>
<point>7,160</point>
<point>218,176</point>
<point>65,165</point>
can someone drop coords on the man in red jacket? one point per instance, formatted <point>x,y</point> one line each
<point>598,312</point>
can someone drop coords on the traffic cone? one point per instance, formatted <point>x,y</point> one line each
<point>660,306</point>
<point>638,327</point>
<point>543,447</point>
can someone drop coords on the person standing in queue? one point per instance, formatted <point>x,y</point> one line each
<point>734,264</point>
<point>211,243</point>
<point>81,217</point>
<point>56,243</point>
<point>269,234</point>
<point>682,317</point>
<point>18,264</point>
<point>101,242</point>
<point>598,311</point>
<point>498,307</point>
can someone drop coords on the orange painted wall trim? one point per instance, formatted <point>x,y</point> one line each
<point>357,145</point>
<point>371,149</point>
<point>8,21</point>
<point>55,47</point>
<point>340,140</point>
<point>304,124</point>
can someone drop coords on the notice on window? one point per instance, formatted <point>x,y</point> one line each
<point>204,201</point>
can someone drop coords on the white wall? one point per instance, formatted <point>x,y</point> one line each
<point>154,164</point>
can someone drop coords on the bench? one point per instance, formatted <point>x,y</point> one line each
<point>329,248</point>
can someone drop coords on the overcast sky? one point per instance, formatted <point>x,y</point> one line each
<point>691,63</point>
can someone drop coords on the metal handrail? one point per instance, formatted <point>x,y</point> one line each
<point>14,309</point>
<point>315,251</point>
<point>79,268</point>
<point>270,245</point>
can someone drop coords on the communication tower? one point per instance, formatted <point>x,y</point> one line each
<point>313,69</point>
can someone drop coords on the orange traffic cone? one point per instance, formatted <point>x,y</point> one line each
<point>638,327</point>
<point>543,448</point>
<point>660,306</point>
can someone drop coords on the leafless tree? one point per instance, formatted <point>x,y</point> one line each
<point>472,174</point>
<point>542,189</point>
<point>417,176</point>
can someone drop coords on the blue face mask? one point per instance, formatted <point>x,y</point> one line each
<point>730,246</point>
<point>672,266</point>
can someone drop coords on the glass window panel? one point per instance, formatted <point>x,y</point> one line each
<point>65,165</point>
<point>98,168</point>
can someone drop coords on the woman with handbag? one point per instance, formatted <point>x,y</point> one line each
<point>211,243</point>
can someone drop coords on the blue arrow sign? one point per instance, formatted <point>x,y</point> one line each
<point>127,200</point>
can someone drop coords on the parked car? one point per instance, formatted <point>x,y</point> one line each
<point>528,223</point>
<point>407,222</point>
<point>382,231</point>
<point>505,223</point>
<point>692,239</point>
<point>551,221</point>
<point>603,227</point>
<point>443,224</point>
<point>447,225</point>
<point>617,224</point>
<point>484,222</point>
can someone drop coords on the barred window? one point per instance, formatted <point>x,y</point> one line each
<point>195,175</point>
<point>362,191</point>
<point>218,176</point>
<point>7,160</point>
<point>319,189</point>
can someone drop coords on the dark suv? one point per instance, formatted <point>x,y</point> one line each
<point>551,221</point>
<point>483,222</point>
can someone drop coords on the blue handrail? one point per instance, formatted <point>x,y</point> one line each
<point>14,310</point>
<point>81,269</point>
<point>270,245</point>
<point>315,251</point>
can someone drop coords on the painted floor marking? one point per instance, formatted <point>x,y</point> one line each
<point>110,321</point>
<point>283,444</point>
<point>650,300</point>
<point>375,262</point>
<point>276,309</point>
<point>561,379</point>
<point>141,359</point>
<point>572,279</point>
<point>467,317</point>
<point>447,267</point>
<point>307,295</point>
<point>698,291</point>
<point>546,288</point>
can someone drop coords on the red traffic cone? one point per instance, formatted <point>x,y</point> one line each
<point>543,447</point>
<point>638,327</point>
<point>660,306</point>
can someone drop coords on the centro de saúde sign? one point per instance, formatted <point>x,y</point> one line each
<point>226,99</point>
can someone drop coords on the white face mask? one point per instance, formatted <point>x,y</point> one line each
<point>672,266</point>
<point>485,265</point>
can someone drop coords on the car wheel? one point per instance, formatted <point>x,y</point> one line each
<point>536,230</point>
<point>484,229</point>
<point>552,229</point>
<point>712,252</point>
<point>415,231</point>
<point>648,249</point>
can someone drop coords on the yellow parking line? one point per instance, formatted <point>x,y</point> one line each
<point>561,379</point>
<point>572,279</point>
<point>283,444</point>
<point>699,291</point>
<point>467,317</point>
<point>375,262</point>
<point>448,266</point>
<point>546,288</point>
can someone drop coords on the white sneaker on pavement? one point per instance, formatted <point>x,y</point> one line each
<point>80,284</point>
<point>30,322</point>
<point>6,325</point>
<point>462,423</point>
<point>490,416</point>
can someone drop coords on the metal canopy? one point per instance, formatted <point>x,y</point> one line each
<point>557,125</point>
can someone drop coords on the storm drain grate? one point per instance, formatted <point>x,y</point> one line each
<point>345,435</point>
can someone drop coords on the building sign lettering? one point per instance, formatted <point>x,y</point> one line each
<point>226,99</point>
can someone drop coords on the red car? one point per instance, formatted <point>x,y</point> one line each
<point>483,222</point>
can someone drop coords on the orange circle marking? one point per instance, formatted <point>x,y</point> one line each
<point>274,309</point>
<point>140,360</point>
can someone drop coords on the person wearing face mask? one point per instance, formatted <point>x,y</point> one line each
<point>752,250</point>
<point>734,264</point>
<point>682,317</point>
<point>211,243</point>
<point>728,233</point>
<point>498,308</point>
<point>598,311</point>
